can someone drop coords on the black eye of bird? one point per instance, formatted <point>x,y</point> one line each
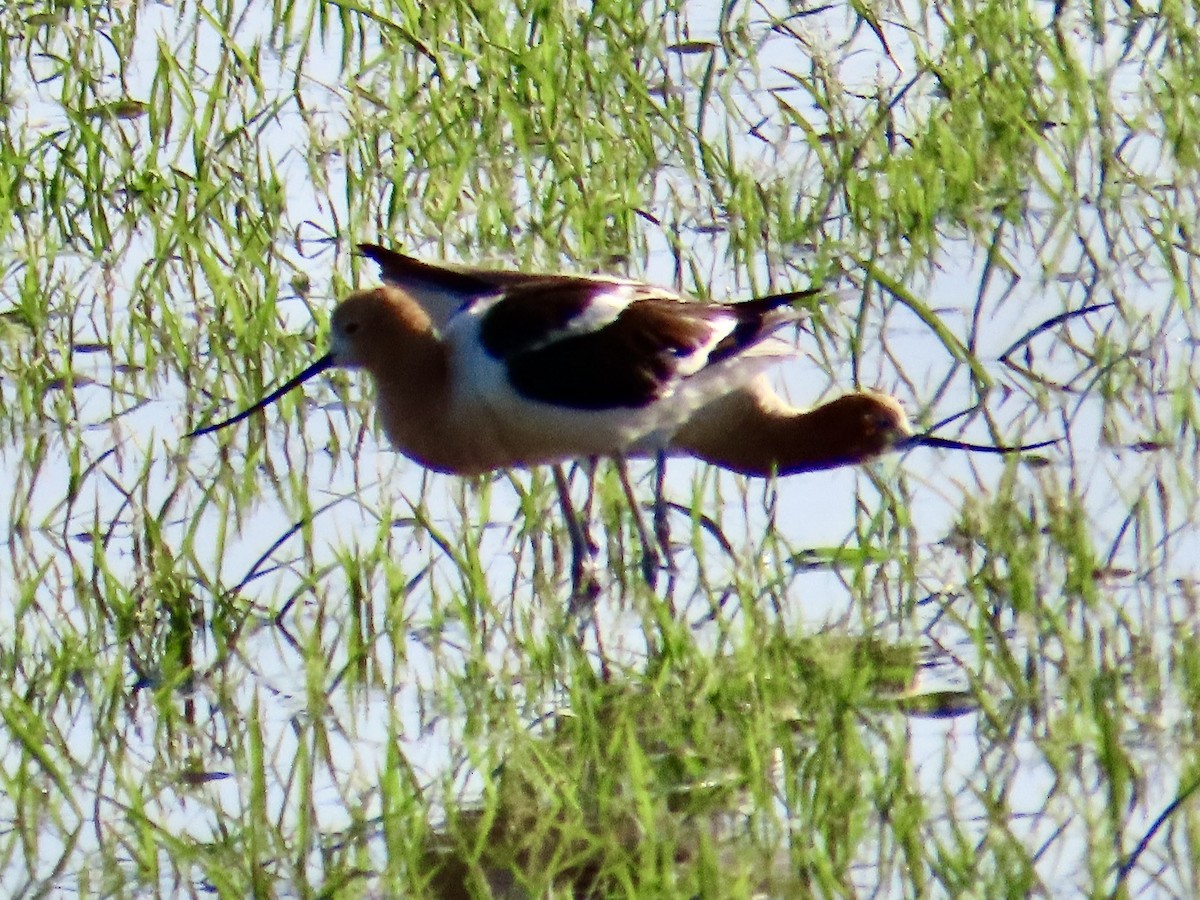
<point>350,327</point>
<point>880,422</point>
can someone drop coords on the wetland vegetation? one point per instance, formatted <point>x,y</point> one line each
<point>283,661</point>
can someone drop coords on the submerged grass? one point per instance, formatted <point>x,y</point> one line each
<point>278,661</point>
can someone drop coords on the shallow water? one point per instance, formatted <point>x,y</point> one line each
<point>102,479</point>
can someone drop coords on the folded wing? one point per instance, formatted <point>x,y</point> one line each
<point>588,344</point>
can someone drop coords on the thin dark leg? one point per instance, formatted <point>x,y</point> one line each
<point>585,520</point>
<point>662,527</point>
<point>585,586</point>
<point>650,556</point>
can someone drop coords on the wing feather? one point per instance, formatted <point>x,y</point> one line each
<point>639,351</point>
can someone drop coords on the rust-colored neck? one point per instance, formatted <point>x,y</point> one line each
<point>753,432</point>
<point>385,332</point>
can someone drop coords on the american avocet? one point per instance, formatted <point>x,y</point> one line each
<point>545,371</point>
<point>749,429</point>
<point>443,290</point>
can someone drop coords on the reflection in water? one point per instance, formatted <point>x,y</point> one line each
<point>304,612</point>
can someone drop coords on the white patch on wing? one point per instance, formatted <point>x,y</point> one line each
<point>722,327</point>
<point>697,360</point>
<point>602,309</point>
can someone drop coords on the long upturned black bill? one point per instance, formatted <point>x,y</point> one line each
<point>929,440</point>
<point>320,365</point>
